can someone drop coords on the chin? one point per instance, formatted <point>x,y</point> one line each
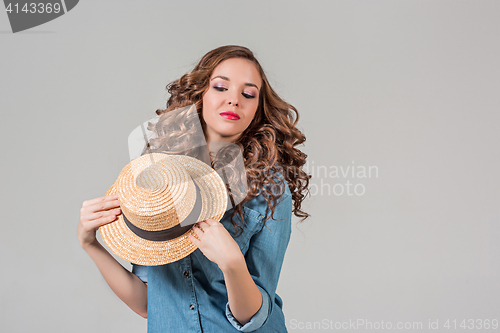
<point>225,132</point>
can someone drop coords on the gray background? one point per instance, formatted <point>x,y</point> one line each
<point>411,87</point>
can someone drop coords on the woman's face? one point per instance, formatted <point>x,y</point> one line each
<point>231,100</point>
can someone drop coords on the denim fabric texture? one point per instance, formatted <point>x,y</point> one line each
<point>190,295</point>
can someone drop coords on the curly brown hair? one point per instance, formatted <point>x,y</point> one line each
<point>269,143</point>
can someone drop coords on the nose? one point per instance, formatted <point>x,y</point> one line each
<point>233,99</point>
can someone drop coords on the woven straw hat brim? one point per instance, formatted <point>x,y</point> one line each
<point>129,246</point>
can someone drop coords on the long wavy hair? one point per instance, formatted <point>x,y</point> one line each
<point>268,145</point>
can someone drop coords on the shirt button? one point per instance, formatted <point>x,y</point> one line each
<point>191,307</point>
<point>186,273</point>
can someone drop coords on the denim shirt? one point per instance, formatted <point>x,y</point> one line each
<point>190,295</point>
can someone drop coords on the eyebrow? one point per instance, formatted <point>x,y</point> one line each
<point>227,79</point>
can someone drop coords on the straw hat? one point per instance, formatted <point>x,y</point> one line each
<point>160,203</point>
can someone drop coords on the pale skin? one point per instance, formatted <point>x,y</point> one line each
<point>234,86</point>
<point>126,285</point>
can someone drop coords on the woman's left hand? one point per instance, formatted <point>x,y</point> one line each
<point>216,244</point>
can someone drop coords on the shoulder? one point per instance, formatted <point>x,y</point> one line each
<point>279,187</point>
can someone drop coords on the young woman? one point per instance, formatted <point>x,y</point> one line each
<point>229,283</point>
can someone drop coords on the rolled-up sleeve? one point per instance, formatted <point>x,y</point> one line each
<point>264,259</point>
<point>257,320</point>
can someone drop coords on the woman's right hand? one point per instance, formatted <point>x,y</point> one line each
<point>95,213</point>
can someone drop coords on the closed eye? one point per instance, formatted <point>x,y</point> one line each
<point>248,95</point>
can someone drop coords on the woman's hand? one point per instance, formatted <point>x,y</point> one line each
<point>217,244</point>
<point>95,213</point>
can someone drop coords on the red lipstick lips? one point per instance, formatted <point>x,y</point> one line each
<point>229,115</point>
